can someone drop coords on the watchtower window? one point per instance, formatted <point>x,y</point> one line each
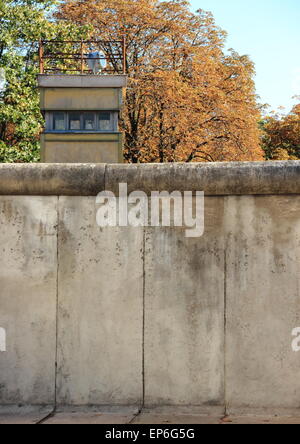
<point>74,122</point>
<point>105,121</point>
<point>86,121</point>
<point>59,121</point>
<point>89,121</point>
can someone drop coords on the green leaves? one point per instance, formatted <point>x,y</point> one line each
<point>19,154</point>
<point>22,24</point>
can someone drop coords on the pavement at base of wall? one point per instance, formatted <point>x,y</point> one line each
<point>119,416</point>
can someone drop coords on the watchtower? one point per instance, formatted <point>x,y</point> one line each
<point>81,97</point>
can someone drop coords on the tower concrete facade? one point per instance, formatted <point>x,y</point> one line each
<point>81,118</point>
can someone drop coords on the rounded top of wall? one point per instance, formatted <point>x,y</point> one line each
<point>215,179</point>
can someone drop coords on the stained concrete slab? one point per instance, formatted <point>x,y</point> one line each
<point>164,419</point>
<point>23,415</point>
<point>100,313</point>
<point>46,179</point>
<point>28,270</point>
<point>215,178</point>
<point>263,300</point>
<point>93,415</point>
<point>263,420</point>
<point>89,418</point>
<point>184,314</point>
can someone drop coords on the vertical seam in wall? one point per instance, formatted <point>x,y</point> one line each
<point>225,327</point>
<point>144,299</point>
<point>105,171</point>
<point>57,304</point>
<point>52,413</point>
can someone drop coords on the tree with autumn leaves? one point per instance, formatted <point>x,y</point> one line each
<point>187,101</point>
<point>281,135</point>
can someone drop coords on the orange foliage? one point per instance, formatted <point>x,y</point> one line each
<point>186,100</point>
<point>282,136</point>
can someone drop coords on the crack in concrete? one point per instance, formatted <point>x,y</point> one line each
<point>136,416</point>
<point>50,415</point>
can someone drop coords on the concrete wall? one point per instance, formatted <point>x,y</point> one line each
<point>146,316</point>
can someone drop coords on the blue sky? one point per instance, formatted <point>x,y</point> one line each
<point>269,32</point>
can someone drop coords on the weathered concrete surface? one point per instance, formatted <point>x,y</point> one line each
<point>227,178</point>
<point>263,300</point>
<point>28,269</point>
<point>184,314</point>
<point>164,419</point>
<point>83,151</point>
<point>223,179</point>
<point>79,81</point>
<point>146,417</point>
<point>124,322</point>
<point>100,320</point>
<point>52,179</point>
<point>23,415</point>
<point>263,420</point>
<point>80,99</point>
<point>90,418</point>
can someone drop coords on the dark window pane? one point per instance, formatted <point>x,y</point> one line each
<point>105,121</point>
<point>89,121</point>
<point>74,121</point>
<point>59,122</point>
